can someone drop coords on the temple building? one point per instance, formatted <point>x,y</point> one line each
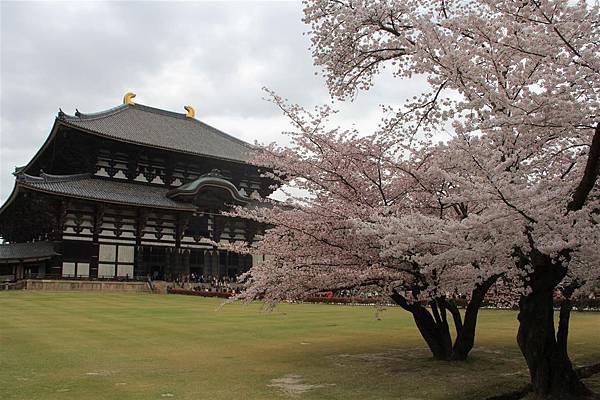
<point>130,193</point>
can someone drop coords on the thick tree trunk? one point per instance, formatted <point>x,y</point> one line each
<point>552,375</point>
<point>435,330</point>
<point>465,336</point>
<point>551,371</point>
<point>465,333</point>
<point>431,332</point>
<point>436,336</point>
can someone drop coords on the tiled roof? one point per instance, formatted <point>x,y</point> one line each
<point>150,126</point>
<point>23,251</point>
<point>84,186</point>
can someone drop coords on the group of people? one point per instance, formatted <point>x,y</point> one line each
<point>201,282</point>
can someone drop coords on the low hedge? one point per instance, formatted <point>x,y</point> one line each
<point>203,293</point>
<point>579,305</point>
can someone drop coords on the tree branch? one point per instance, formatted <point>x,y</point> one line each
<point>590,175</point>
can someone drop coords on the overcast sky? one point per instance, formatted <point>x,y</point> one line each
<point>215,56</point>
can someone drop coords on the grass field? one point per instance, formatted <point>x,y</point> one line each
<point>128,346</point>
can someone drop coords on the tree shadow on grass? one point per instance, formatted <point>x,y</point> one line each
<point>488,371</point>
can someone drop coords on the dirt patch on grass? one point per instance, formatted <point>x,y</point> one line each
<point>98,373</point>
<point>294,386</point>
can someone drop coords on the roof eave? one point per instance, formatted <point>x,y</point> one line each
<point>47,142</point>
<point>35,189</point>
<point>11,198</point>
<point>26,259</point>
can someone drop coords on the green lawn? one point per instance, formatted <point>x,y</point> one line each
<point>132,346</point>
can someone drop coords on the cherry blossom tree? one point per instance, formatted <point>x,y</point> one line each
<point>334,235</point>
<point>519,84</point>
<point>511,192</point>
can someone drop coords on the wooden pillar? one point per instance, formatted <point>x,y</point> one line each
<point>186,261</point>
<point>19,271</point>
<point>140,267</point>
<point>183,262</point>
<point>60,219</point>
<point>207,266</point>
<point>215,263</point>
<point>178,267</point>
<point>97,228</point>
<point>172,256</point>
<point>63,208</point>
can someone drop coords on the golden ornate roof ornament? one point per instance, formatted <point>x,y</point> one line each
<point>191,113</point>
<point>128,98</point>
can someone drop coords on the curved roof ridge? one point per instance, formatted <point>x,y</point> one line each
<point>214,179</point>
<point>87,116</point>
<point>44,177</point>
<point>62,178</point>
<point>121,107</point>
